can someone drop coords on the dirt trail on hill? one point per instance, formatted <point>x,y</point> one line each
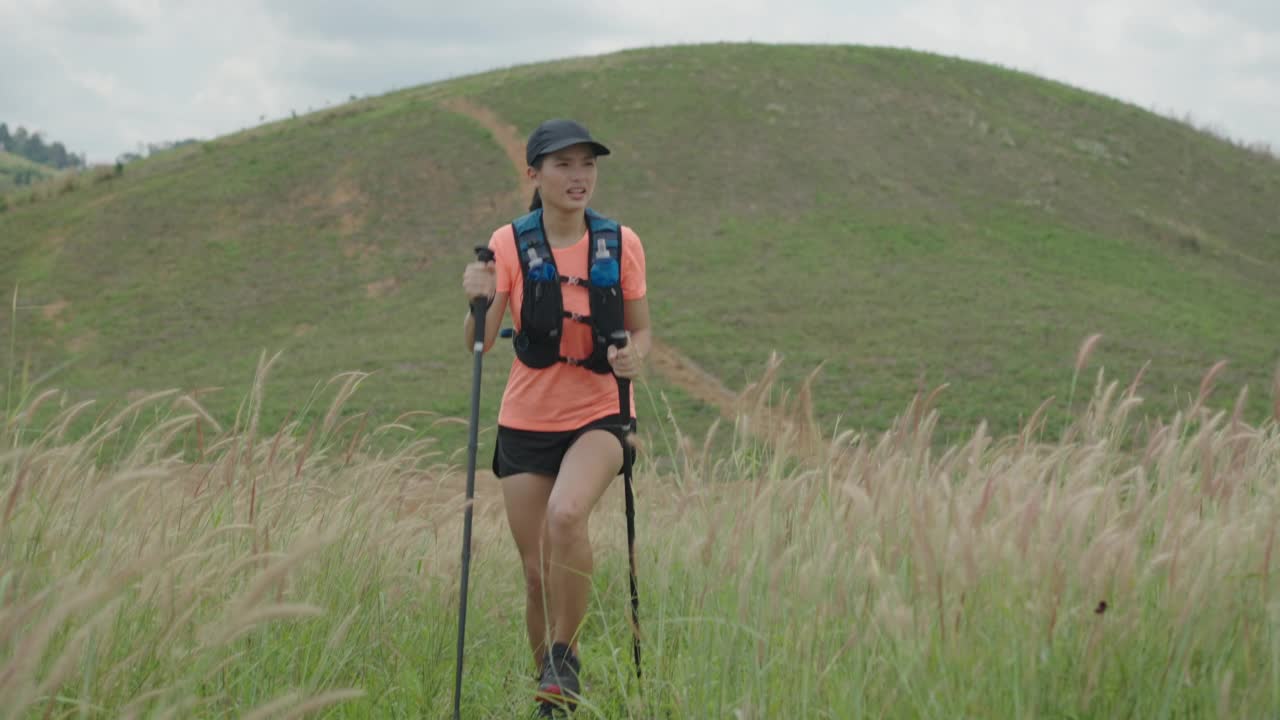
<point>677,369</point>
<point>506,135</point>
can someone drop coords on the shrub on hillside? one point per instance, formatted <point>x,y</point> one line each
<point>1263,149</point>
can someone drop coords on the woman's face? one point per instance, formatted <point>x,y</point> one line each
<point>567,178</point>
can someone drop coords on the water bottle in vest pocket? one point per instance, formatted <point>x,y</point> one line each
<point>606,293</point>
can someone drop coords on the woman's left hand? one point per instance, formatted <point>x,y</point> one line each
<point>625,362</point>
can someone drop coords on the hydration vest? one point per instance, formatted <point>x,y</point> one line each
<point>542,312</point>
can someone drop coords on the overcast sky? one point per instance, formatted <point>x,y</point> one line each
<point>104,75</point>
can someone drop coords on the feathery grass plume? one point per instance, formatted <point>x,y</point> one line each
<point>16,613</point>
<point>73,652</point>
<point>64,419</point>
<point>322,701</point>
<point>252,618</point>
<point>1275,394</point>
<point>275,707</point>
<point>339,634</point>
<point>1097,418</point>
<point>1132,390</point>
<point>17,676</point>
<point>1082,357</point>
<point>190,403</point>
<point>275,572</point>
<point>256,395</point>
<point>28,412</point>
<point>11,501</point>
<point>1238,428</point>
<point>351,381</point>
<point>1207,384</point>
<point>1085,351</point>
<point>1238,410</point>
<point>158,439</point>
<point>759,414</point>
<point>883,576</point>
<point>130,411</point>
<point>13,351</point>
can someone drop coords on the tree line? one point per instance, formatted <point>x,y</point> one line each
<point>146,150</point>
<point>33,146</point>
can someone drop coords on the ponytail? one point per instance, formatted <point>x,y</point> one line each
<point>536,202</point>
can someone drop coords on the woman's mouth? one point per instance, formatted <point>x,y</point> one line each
<point>577,193</point>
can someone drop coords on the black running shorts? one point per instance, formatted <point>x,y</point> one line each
<point>529,451</point>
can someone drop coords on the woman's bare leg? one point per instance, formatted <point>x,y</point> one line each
<point>525,496</point>
<point>588,468</point>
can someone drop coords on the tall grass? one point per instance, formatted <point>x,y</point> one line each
<point>1121,569</point>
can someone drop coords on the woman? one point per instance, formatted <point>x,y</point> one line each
<point>560,438</point>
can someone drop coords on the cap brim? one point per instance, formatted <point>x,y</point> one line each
<point>569,142</point>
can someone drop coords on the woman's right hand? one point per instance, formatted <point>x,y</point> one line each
<point>480,280</point>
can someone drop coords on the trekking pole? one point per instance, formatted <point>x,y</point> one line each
<point>479,307</point>
<point>619,340</point>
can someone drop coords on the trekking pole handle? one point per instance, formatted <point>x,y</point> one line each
<point>484,255</point>
<point>480,305</point>
<point>619,339</point>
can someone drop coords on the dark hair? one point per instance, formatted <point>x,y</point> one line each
<point>536,202</point>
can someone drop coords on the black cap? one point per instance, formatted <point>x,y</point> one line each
<point>554,135</point>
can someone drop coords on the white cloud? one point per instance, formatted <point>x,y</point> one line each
<point>104,85</point>
<point>234,84</point>
<point>101,18</point>
<point>1179,56</point>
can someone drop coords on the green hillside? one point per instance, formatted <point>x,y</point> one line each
<point>13,170</point>
<point>890,214</point>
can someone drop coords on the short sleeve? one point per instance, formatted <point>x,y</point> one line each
<point>504,256</point>
<point>634,285</point>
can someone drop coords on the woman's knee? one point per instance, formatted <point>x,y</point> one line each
<point>567,521</point>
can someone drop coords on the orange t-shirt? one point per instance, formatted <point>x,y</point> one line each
<point>562,397</point>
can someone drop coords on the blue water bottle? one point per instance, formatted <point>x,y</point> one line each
<point>604,268</point>
<point>540,273</point>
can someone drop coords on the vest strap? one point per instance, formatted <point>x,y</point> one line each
<point>537,343</point>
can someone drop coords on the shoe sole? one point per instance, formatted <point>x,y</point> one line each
<point>554,696</point>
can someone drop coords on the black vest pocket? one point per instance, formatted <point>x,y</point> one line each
<point>606,317</point>
<point>541,315</point>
